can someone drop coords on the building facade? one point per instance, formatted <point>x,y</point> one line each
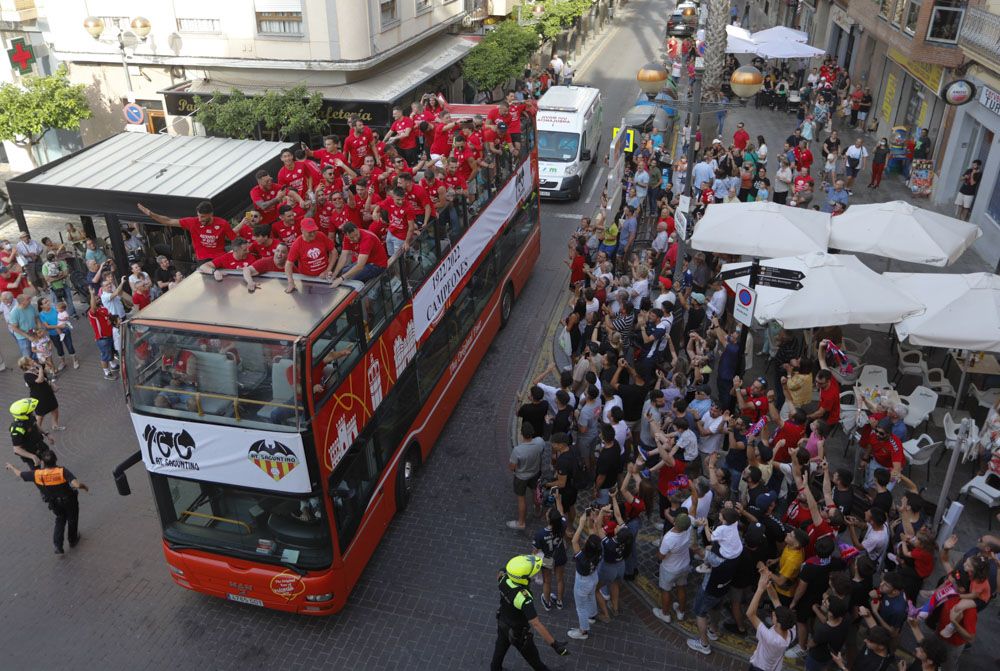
<point>362,55</point>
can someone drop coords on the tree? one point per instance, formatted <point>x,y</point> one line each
<point>276,115</point>
<point>559,15</point>
<point>500,55</point>
<point>715,60</point>
<point>38,105</point>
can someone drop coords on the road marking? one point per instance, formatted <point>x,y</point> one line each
<point>593,187</point>
<point>564,215</point>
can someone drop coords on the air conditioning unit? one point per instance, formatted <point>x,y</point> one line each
<point>502,7</point>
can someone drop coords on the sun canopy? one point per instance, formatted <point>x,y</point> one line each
<point>963,311</point>
<point>780,34</point>
<point>900,231</point>
<point>761,229</point>
<point>837,290</point>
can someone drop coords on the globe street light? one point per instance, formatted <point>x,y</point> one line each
<point>651,77</point>
<point>746,81</point>
<point>94,26</point>
<point>141,28</point>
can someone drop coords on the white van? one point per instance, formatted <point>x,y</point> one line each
<point>569,135</point>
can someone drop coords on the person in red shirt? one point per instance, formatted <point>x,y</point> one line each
<point>263,244</point>
<point>577,267</point>
<point>515,108</point>
<point>885,451</point>
<point>752,401</point>
<point>313,254</point>
<point>435,188</point>
<point>416,198</point>
<point>100,322</point>
<point>362,258</point>
<point>403,134</point>
<point>803,157</point>
<point>964,630</point>
<point>295,175</point>
<point>468,163</point>
<point>741,137</point>
<point>286,228</point>
<point>707,195</point>
<point>791,432</point>
<point>208,232</point>
<point>237,258</point>
<point>360,142</point>
<point>443,130</point>
<point>13,282</point>
<point>331,155</point>
<point>400,220</point>
<point>829,394</point>
<point>266,196</point>
<point>266,264</point>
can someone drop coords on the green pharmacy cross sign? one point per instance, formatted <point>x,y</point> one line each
<point>21,55</point>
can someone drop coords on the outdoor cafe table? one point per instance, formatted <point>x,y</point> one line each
<point>974,366</point>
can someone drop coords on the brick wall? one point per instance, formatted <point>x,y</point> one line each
<point>865,12</point>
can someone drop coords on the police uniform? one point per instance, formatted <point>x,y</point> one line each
<point>25,434</point>
<point>53,483</point>
<point>517,609</point>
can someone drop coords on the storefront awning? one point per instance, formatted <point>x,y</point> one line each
<point>392,83</point>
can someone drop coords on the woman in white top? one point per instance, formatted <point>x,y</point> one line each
<point>761,151</point>
<point>782,181</point>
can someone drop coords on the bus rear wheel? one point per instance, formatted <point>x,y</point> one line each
<point>506,304</point>
<point>405,476</point>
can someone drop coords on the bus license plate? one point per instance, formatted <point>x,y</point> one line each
<point>239,598</point>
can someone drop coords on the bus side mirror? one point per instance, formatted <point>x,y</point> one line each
<point>121,480</point>
<point>585,155</point>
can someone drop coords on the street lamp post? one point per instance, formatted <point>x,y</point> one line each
<point>141,27</point>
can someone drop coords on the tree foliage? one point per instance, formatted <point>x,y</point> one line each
<point>559,15</point>
<point>500,55</point>
<point>40,104</point>
<point>276,115</point>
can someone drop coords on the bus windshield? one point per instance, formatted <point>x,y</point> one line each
<point>557,147</point>
<point>199,376</point>
<point>260,526</point>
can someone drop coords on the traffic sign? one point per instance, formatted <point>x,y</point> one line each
<point>746,301</point>
<point>134,114</point>
<point>778,283</point>
<point>783,273</point>
<point>731,273</point>
<point>629,133</point>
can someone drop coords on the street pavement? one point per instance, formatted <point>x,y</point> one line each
<point>426,601</point>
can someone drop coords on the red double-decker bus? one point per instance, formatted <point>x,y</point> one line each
<point>281,431</point>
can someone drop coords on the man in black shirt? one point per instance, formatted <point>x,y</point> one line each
<point>534,411</point>
<point>565,467</point>
<point>609,465</point>
<point>968,188</point>
<point>814,578</point>
<point>58,488</point>
<point>633,394</point>
<point>564,420</point>
<point>163,275</point>
<point>25,435</point>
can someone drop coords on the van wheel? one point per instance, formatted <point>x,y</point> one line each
<point>574,195</point>
<point>405,476</point>
<point>594,153</point>
<point>506,304</point>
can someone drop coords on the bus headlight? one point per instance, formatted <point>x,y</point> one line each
<point>319,597</point>
<point>175,570</point>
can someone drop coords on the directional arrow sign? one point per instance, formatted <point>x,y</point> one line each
<point>778,283</point>
<point>731,273</point>
<point>783,273</point>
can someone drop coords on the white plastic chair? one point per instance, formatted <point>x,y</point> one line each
<point>987,398</point>
<point>910,362</point>
<point>848,379</point>
<point>951,436</point>
<point>920,404</point>
<point>979,489</point>
<point>935,379</point>
<point>920,451</point>
<point>876,377</point>
<point>857,348</point>
<point>850,418</point>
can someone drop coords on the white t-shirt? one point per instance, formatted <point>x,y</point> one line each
<point>688,442</point>
<point>716,304</point>
<point>660,242</point>
<point>856,152</point>
<point>615,401</point>
<point>676,545</point>
<point>712,443</point>
<point>621,433</point>
<point>663,298</point>
<point>728,538</point>
<point>550,397</point>
<point>769,654</point>
<point>876,542</point>
<point>704,505</point>
<point>638,291</point>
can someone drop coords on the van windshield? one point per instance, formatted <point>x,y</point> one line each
<point>557,147</point>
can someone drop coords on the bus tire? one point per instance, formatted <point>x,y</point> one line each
<point>404,477</point>
<point>506,304</point>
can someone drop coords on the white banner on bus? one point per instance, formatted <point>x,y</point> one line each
<point>431,299</point>
<point>228,455</point>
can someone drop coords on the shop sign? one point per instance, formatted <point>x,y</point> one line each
<point>959,92</point>
<point>890,96</point>
<point>928,74</point>
<point>181,103</point>
<point>989,99</point>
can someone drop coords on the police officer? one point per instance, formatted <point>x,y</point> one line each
<point>517,612</point>
<point>28,438</point>
<point>58,487</point>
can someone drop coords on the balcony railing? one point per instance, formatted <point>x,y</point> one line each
<point>981,33</point>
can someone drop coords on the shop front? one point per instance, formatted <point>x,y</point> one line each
<point>910,97</point>
<point>842,41</point>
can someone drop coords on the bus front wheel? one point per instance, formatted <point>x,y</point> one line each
<point>405,477</point>
<point>506,304</point>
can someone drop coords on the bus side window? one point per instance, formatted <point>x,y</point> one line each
<point>335,352</point>
<point>380,301</point>
<point>351,486</point>
<point>484,281</point>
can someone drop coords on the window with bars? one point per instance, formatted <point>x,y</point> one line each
<point>191,25</point>
<point>912,15</point>
<point>279,23</point>
<point>946,20</point>
<point>388,12</point>
<point>423,5</point>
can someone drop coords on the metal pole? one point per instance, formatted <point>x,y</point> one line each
<point>963,436</point>
<point>128,78</point>
<point>745,331</point>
